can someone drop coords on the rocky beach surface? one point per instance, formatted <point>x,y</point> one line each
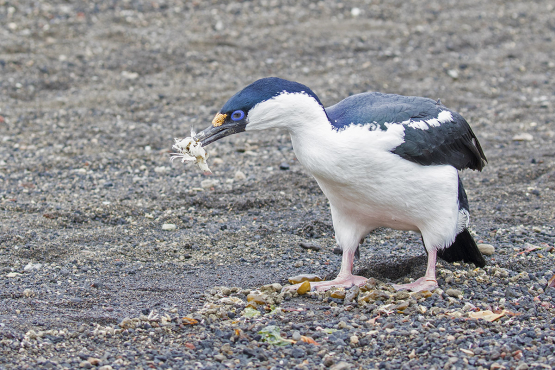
<point>113,257</point>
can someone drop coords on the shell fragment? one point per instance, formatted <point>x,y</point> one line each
<point>189,149</point>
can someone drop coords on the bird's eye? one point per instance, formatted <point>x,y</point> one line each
<point>237,115</point>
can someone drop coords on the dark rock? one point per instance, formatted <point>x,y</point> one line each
<point>309,246</point>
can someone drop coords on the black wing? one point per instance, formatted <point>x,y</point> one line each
<point>428,141</point>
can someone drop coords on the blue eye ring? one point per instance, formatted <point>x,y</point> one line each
<point>237,115</point>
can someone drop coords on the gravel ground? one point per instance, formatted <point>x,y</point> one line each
<point>92,95</point>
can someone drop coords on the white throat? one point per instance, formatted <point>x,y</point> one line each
<point>292,111</point>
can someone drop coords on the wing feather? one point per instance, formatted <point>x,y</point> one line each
<point>430,138</point>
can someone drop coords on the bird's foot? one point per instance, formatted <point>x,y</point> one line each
<point>339,282</point>
<point>423,283</point>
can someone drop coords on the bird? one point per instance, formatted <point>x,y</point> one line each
<point>382,160</point>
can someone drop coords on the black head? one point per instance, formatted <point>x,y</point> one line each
<point>233,117</point>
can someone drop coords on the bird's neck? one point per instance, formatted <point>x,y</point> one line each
<point>295,112</point>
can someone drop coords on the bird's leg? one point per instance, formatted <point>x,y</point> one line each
<point>344,279</point>
<point>428,281</point>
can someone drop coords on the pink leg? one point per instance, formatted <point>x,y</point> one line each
<point>428,282</point>
<point>344,279</point>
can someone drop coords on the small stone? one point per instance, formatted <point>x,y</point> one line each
<point>341,366</point>
<point>355,12</point>
<point>220,358</point>
<point>298,352</point>
<point>161,170</point>
<point>375,295</point>
<point>239,176</point>
<point>298,264</point>
<point>456,293</point>
<point>284,166</point>
<point>217,161</point>
<point>304,288</point>
<point>354,340</point>
<point>497,366</point>
<point>32,266</point>
<point>129,75</point>
<point>169,227</point>
<point>28,293</point>
<point>312,247</point>
<point>94,361</point>
<point>304,277</point>
<point>338,293</point>
<point>341,325</point>
<point>403,305</point>
<point>275,287</point>
<point>351,294</point>
<point>208,183</point>
<point>328,361</point>
<point>105,367</point>
<point>453,73</point>
<point>523,136</point>
<point>296,335</point>
<point>225,290</point>
<point>401,295</point>
<point>257,298</point>
<point>85,365</point>
<point>13,274</point>
<point>127,323</point>
<point>370,284</point>
<point>522,366</point>
<point>486,249</point>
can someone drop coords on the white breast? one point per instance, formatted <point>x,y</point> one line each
<point>369,185</point>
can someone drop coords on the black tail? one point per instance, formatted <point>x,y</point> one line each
<point>463,249</point>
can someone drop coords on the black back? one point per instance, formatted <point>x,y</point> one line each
<point>451,142</point>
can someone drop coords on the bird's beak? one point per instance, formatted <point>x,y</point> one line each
<point>221,127</point>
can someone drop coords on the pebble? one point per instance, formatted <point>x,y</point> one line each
<point>355,12</point>
<point>351,294</point>
<point>523,136</point>
<point>208,184</point>
<point>220,358</point>
<point>338,293</point>
<point>298,264</point>
<point>169,227</point>
<point>341,366</point>
<point>85,365</point>
<point>94,361</point>
<point>304,277</point>
<point>275,287</point>
<point>217,161</point>
<point>284,166</point>
<point>32,266</point>
<point>401,295</point>
<point>456,293</point>
<point>309,246</point>
<point>354,340</point>
<point>453,73</point>
<point>257,298</point>
<point>486,249</point>
<point>298,352</point>
<point>105,367</point>
<point>239,176</point>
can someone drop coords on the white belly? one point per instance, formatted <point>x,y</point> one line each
<point>372,187</point>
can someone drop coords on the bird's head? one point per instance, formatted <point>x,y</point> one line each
<point>267,103</point>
